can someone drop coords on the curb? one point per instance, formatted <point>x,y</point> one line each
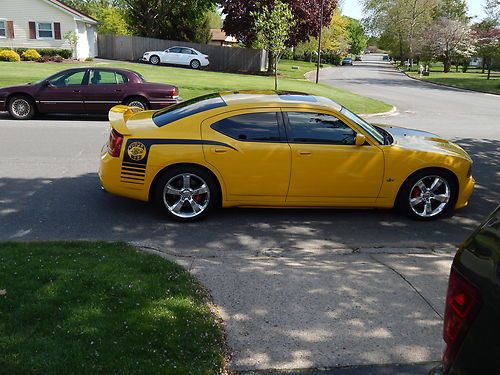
<point>392,111</point>
<point>446,85</point>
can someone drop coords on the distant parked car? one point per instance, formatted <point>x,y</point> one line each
<point>471,320</point>
<point>357,58</point>
<point>177,56</point>
<point>85,90</point>
<point>346,61</point>
<point>385,58</point>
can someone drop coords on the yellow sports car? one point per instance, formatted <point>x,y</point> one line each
<point>278,149</point>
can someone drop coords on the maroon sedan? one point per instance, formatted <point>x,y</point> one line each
<point>85,90</point>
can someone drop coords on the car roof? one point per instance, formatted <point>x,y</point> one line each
<point>276,97</point>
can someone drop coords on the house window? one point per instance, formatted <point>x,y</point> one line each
<point>3,31</point>
<point>44,30</point>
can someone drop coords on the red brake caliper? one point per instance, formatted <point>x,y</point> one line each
<point>416,192</point>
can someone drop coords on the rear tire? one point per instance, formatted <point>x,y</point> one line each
<point>195,64</point>
<point>137,102</point>
<point>186,193</point>
<point>21,107</point>
<point>155,60</point>
<point>427,195</point>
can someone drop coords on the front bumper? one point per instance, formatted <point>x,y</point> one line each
<point>465,192</point>
<point>3,106</point>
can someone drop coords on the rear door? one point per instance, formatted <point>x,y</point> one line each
<point>105,89</point>
<point>250,151</point>
<point>63,93</point>
<point>186,56</point>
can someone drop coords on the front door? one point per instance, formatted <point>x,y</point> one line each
<point>106,89</point>
<point>172,56</point>
<point>251,154</point>
<point>63,93</point>
<point>327,167</point>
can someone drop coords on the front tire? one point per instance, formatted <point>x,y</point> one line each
<point>427,195</point>
<point>21,107</point>
<point>195,64</point>
<point>186,193</point>
<point>155,60</point>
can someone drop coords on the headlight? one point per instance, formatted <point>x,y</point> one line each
<point>146,53</point>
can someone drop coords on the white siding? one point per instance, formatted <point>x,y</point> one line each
<point>21,12</point>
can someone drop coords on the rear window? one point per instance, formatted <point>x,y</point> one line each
<point>187,108</point>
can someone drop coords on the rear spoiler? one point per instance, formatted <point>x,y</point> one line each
<point>118,117</point>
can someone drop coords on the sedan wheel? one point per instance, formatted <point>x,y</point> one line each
<point>155,60</point>
<point>427,196</point>
<point>195,64</point>
<point>186,194</point>
<point>21,108</point>
<point>139,103</point>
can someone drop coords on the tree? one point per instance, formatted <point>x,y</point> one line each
<point>336,35</point>
<point>487,35</point>
<point>72,40</point>
<point>175,20</point>
<point>492,10</point>
<point>452,9</point>
<point>109,13</point>
<point>357,37</point>
<point>402,21</point>
<point>239,18</point>
<point>272,27</point>
<point>449,39</point>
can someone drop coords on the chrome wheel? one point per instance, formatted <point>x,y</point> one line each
<point>155,60</point>
<point>137,103</point>
<point>20,108</point>
<point>430,196</point>
<point>186,195</point>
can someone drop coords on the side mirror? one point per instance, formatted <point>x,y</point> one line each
<point>360,139</point>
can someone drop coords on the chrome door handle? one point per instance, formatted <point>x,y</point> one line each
<point>76,90</point>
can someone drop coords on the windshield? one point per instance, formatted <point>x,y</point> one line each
<point>363,124</point>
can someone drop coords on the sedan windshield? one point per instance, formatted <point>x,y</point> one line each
<point>364,125</point>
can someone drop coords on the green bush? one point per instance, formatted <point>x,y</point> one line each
<point>9,55</point>
<point>30,55</point>
<point>66,53</point>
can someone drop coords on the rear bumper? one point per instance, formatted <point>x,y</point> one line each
<point>465,192</point>
<point>159,104</point>
<point>110,179</point>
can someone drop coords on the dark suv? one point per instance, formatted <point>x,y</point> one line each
<point>472,315</point>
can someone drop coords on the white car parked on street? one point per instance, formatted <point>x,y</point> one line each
<point>177,56</point>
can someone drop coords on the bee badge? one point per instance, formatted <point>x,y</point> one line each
<point>136,151</point>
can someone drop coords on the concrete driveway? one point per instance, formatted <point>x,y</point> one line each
<point>297,288</point>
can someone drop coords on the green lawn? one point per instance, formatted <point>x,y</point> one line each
<point>193,83</point>
<point>285,68</point>
<point>474,79</point>
<point>102,308</point>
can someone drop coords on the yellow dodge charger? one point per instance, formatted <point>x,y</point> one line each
<point>278,149</point>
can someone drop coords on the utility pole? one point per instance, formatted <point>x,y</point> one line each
<point>319,40</point>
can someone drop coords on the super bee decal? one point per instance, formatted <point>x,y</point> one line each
<point>136,155</point>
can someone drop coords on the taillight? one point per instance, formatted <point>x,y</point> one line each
<point>462,305</point>
<point>174,92</point>
<point>115,143</point>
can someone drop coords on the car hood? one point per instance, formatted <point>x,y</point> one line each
<point>16,87</point>
<point>419,140</point>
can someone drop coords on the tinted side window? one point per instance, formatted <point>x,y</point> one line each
<point>103,77</point>
<point>68,79</point>
<point>261,127</point>
<point>319,128</point>
<point>186,51</point>
<point>174,50</point>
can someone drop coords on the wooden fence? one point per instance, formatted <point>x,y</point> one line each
<point>223,59</point>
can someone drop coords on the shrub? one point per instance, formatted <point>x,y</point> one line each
<point>47,58</point>
<point>65,53</point>
<point>30,55</point>
<point>89,59</point>
<point>9,55</point>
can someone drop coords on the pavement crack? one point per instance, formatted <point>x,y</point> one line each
<point>409,283</point>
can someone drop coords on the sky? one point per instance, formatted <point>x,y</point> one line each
<point>352,8</point>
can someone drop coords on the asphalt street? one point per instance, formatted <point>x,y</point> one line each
<point>297,289</point>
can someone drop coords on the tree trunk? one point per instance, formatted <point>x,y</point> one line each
<point>446,64</point>
<point>270,63</point>
<point>484,64</point>
<point>489,71</point>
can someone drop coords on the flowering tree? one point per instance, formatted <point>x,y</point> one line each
<point>487,36</point>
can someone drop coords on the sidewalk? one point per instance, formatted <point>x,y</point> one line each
<point>302,309</point>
